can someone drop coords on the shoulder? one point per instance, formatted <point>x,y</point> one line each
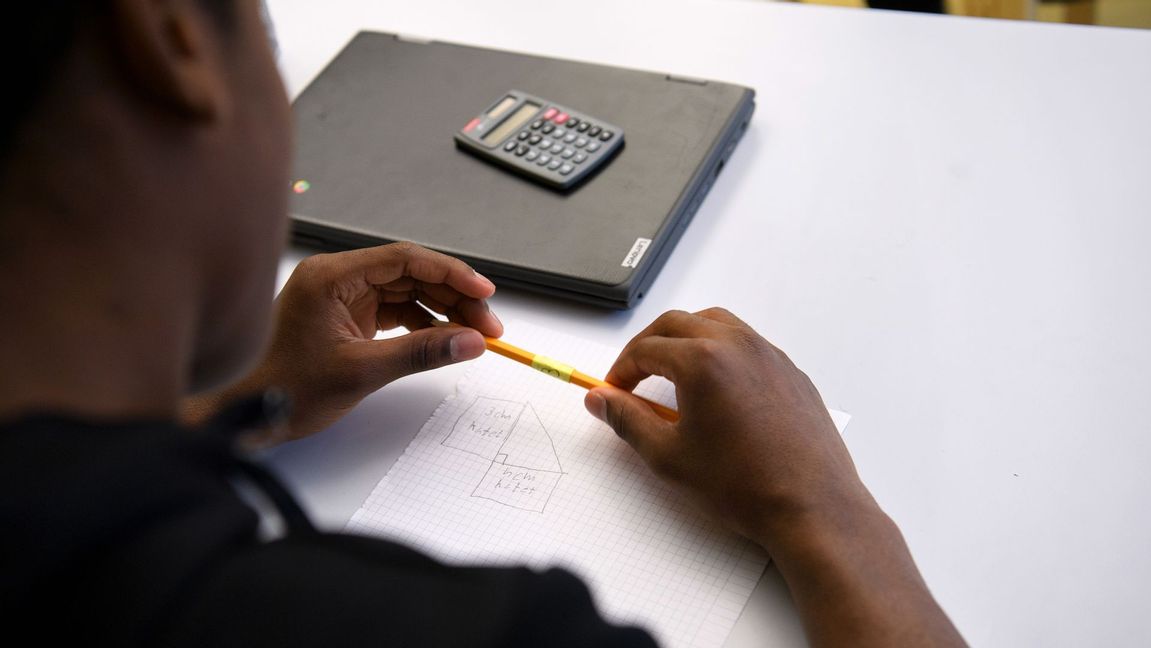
<point>313,589</point>
<point>111,522</point>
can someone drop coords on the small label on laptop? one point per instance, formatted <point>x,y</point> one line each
<point>636,253</point>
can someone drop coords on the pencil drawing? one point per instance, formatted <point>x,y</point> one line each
<point>524,468</point>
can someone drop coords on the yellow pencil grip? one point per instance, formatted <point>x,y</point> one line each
<point>553,368</point>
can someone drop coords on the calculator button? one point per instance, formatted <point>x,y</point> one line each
<point>566,169</point>
<point>548,128</point>
<point>543,159</point>
<point>581,142</point>
<point>534,139</point>
<point>579,158</point>
<point>546,143</point>
<point>592,147</point>
<point>510,146</point>
<point>561,118</point>
<point>569,138</point>
<point>521,149</point>
<point>573,122</point>
<point>532,155</point>
<point>555,164</point>
<point>537,124</point>
<point>523,135</point>
<point>549,113</point>
<point>583,126</point>
<point>557,148</point>
<point>594,131</point>
<point>606,135</point>
<point>568,152</point>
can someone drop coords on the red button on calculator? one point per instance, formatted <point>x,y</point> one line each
<point>561,118</point>
<point>549,113</point>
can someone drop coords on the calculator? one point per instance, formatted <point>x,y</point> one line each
<point>545,141</point>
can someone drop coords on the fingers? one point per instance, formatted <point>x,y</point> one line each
<point>659,357</point>
<point>410,314</point>
<point>470,312</point>
<point>477,314</point>
<point>721,315</point>
<point>677,323</point>
<point>651,356</point>
<point>673,345</point>
<point>388,263</point>
<point>404,272</point>
<point>681,324</point>
<point>633,421</point>
<point>632,367</point>
<point>379,362</point>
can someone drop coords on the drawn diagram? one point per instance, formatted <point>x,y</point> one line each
<point>524,469</point>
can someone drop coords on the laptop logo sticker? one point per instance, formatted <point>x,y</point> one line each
<point>636,253</point>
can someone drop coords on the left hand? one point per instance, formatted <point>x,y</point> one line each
<point>322,350</point>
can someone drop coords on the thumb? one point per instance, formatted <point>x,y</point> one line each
<point>428,348</point>
<point>631,418</point>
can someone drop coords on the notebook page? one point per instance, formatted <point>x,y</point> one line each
<point>512,470</point>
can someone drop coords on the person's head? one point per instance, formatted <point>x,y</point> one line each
<point>150,138</point>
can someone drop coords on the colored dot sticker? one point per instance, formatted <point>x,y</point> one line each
<point>300,186</point>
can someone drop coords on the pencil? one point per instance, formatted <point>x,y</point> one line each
<point>557,369</point>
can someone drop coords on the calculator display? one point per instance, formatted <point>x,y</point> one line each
<point>502,107</point>
<point>511,124</point>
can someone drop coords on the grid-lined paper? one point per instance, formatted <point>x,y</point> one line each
<point>513,470</point>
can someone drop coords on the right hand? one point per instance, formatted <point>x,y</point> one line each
<point>755,446</point>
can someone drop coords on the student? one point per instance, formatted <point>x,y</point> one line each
<point>145,151</point>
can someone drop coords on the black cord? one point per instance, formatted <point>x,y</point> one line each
<point>267,410</point>
<point>294,517</point>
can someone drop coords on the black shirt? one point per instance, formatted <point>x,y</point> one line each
<point>133,534</point>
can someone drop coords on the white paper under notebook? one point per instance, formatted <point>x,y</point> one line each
<point>511,469</point>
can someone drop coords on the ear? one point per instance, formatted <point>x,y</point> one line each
<point>172,53</point>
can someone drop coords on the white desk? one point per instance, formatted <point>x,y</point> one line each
<point>944,221</point>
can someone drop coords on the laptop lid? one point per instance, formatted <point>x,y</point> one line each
<point>376,162</point>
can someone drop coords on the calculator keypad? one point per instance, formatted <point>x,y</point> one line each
<point>567,147</point>
<point>561,150</point>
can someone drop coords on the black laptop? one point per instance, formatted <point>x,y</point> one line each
<point>379,160</point>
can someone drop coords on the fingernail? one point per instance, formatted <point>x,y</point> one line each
<point>596,405</point>
<point>494,316</point>
<point>466,345</point>
<point>483,278</point>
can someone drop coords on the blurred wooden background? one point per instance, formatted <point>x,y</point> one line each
<point>1112,13</point>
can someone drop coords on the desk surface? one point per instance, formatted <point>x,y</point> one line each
<point>944,221</point>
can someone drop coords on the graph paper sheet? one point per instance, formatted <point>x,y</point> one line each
<point>512,469</point>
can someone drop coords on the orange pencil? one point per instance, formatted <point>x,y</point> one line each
<point>558,369</point>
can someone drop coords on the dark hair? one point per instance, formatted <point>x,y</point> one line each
<point>45,32</point>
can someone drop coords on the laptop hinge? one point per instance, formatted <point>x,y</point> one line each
<point>685,79</point>
<point>412,38</point>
